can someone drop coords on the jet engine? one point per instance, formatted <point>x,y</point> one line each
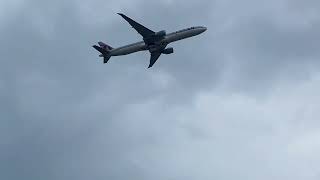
<point>161,33</point>
<point>168,51</point>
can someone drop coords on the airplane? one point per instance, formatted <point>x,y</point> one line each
<point>154,42</point>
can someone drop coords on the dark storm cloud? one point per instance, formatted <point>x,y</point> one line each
<point>56,93</point>
<point>65,115</point>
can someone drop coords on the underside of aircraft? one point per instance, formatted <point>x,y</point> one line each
<point>154,42</point>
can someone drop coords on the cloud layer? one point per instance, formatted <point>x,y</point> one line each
<point>238,102</point>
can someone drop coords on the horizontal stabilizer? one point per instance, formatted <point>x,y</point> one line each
<point>100,49</point>
<point>104,53</point>
<point>106,58</point>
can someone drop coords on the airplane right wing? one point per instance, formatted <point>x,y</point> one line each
<point>154,57</point>
<point>145,32</point>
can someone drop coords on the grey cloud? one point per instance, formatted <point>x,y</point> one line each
<point>65,115</point>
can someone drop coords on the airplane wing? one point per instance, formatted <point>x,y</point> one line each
<point>154,57</point>
<point>145,32</point>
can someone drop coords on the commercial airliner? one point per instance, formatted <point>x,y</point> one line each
<point>155,42</point>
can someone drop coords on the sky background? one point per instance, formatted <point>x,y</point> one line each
<point>240,101</point>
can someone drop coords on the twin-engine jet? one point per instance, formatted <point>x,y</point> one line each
<point>155,42</point>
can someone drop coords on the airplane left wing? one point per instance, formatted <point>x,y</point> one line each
<point>154,57</point>
<point>145,32</point>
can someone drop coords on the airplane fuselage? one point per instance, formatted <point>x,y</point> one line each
<point>168,38</point>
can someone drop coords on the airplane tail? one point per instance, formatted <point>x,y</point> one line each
<point>104,49</point>
<point>105,46</point>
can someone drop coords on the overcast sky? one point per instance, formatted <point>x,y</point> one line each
<point>240,101</point>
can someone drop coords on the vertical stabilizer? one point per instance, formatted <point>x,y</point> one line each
<point>105,46</point>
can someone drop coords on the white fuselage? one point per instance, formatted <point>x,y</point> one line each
<point>169,38</point>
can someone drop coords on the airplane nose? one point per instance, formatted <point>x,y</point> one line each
<point>204,29</point>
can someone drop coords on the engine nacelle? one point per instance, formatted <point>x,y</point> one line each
<point>168,51</point>
<point>161,33</point>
